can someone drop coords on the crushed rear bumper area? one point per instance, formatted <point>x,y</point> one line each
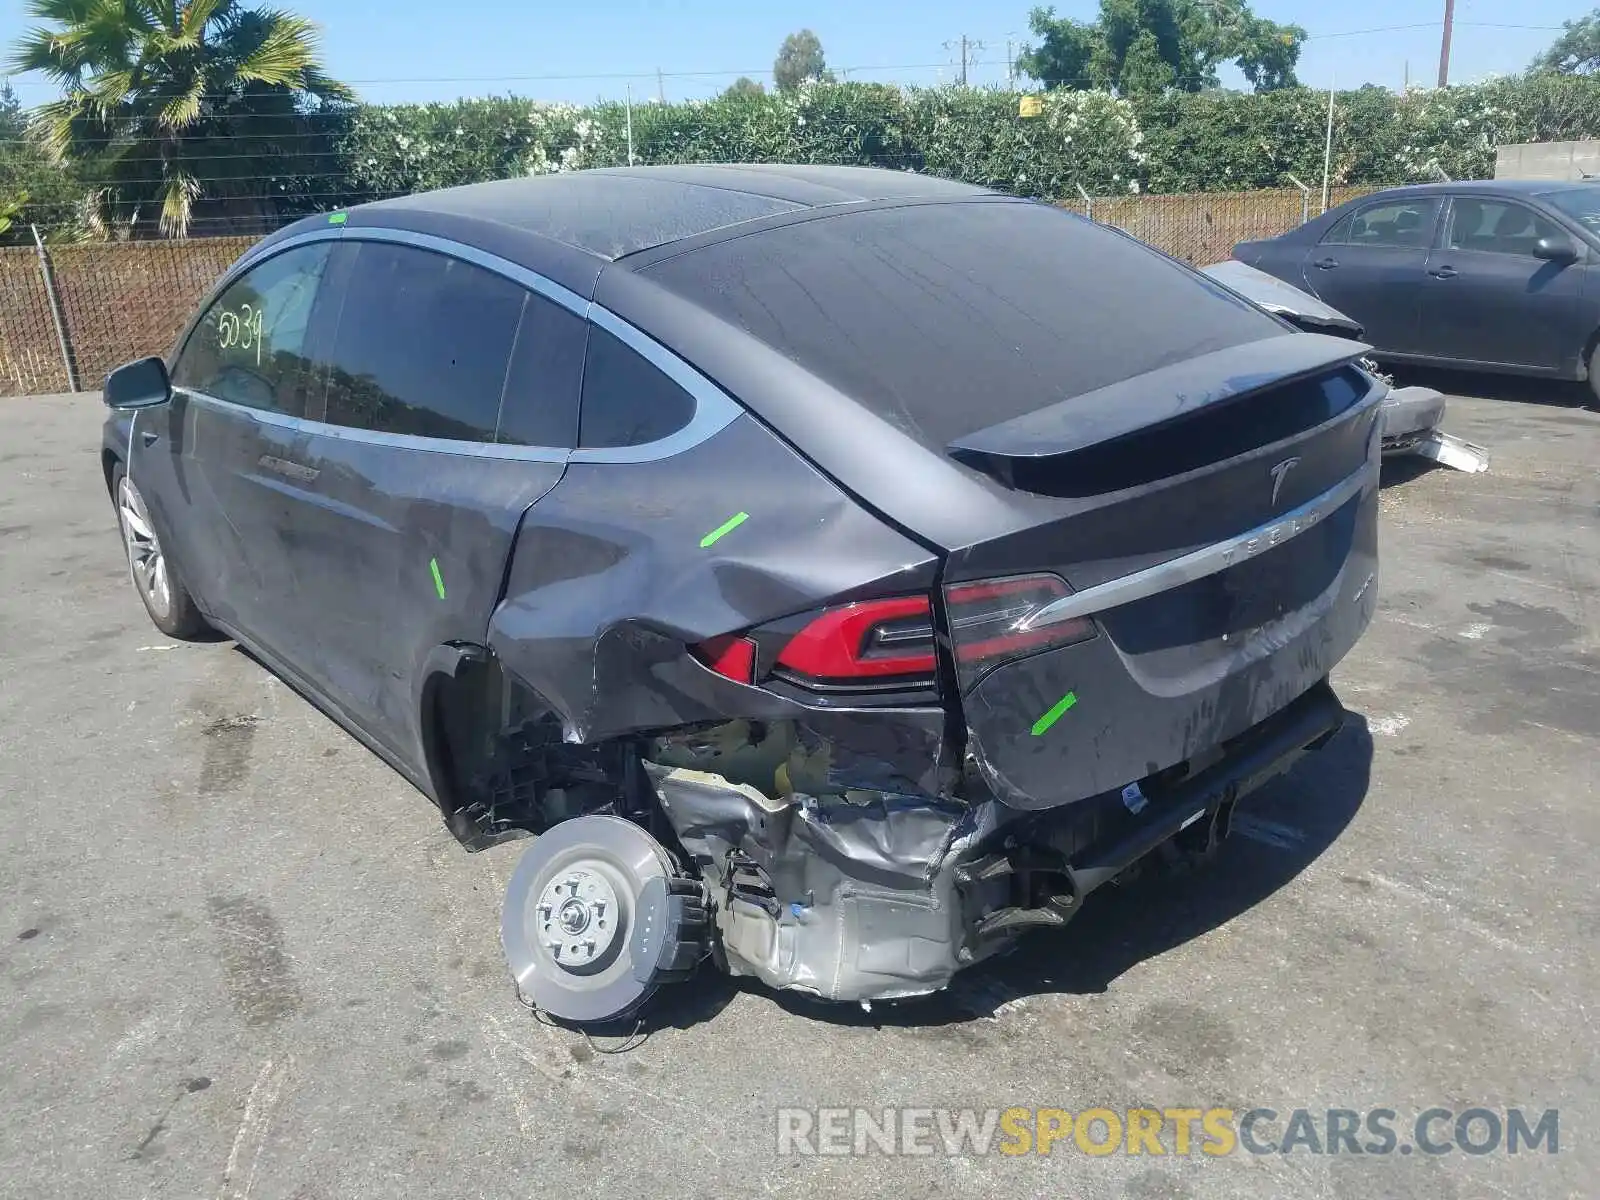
<point>871,895</point>
<point>1411,418</point>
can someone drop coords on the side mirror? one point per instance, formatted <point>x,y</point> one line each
<point>1559,249</point>
<point>141,384</point>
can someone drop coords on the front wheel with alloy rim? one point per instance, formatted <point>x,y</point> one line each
<point>154,577</point>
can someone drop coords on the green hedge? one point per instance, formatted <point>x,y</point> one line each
<point>1216,141</point>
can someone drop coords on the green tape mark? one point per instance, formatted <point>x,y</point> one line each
<point>438,579</point>
<point>338,218</point>
<point>1057,711</point>
<point>727,526</point>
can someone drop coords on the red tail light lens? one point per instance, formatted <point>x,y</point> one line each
<point>875,639</point>
<point>890,644</point>
<point>988,620</point>
<point>731,657</point>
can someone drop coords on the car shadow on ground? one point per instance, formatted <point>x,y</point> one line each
<point>1403,468</point>
<point>1279,831</point>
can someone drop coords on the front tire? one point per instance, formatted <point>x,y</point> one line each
<point>1594,371</point>
<point>154,576</point>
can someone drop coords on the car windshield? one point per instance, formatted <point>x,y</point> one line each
<point>1581,204</point>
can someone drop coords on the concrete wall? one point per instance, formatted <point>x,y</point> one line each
<point>1548,160</point>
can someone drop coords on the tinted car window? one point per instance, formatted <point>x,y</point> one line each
<point>1582,204</point>
<point>540,407</point>
<point>1390,223</point>
<point>626,401</point>
<point>1496,226</point>
<point>946,319</point>
<point>422,344</point>
<point>249,347</point>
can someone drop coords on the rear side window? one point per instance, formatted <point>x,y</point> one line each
<point>422,345</point>
<point>944,319</point>
<point>626,401</point>
<point>540,407</point>
<point>1496,226</point>
<point>249,347</point>
<point>1405,223</point>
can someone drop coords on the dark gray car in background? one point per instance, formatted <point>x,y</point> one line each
<point>842,571</point>
<point>1497,275</point>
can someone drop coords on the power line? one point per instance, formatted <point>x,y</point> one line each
<point>767,70</point>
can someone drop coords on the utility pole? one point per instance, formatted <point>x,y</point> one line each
<point>968,49</point>
<point>1327,150</point>
<point>661,88</point>
<point>628,103</point>
<point>1444,43</point>
<point>1011,79</point>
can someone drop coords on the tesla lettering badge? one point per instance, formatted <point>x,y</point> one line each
<point>1279,474</point>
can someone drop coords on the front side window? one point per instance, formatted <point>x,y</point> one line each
<point>626,400</point>
<point>1496,226</point>
<point>249,347</point>
<point>422,345</point>
<point>1404,223</point>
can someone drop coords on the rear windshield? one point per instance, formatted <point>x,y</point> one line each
<point>946,319</point>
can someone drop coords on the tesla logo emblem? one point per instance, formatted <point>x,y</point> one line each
<point>1279,474</point>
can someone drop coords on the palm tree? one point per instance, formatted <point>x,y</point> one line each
<point>167,101</point>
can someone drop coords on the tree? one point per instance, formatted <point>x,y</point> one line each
<point>744,88</point>
<point>1144,47</point>
<point>799,58</point>
<point>169,101</point>
<point>33,189</point>
<point>1576,51</point>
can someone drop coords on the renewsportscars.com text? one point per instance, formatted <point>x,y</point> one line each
<point>1213,1132</point>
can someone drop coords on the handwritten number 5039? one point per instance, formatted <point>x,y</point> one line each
<point>241,329</point>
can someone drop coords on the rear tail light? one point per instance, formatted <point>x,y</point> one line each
<point>890,644</point>
<point>732,657</point>
<point>872,640</point>
<point>989,620</point>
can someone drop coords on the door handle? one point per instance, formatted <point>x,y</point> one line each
<point>1325,264</point>
<point>148,438</point>
<point>1443,273</point>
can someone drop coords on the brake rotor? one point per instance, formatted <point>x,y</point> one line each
<point>596,918</point>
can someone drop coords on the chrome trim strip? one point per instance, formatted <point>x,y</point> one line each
<point>406,441</point>
<point>1208,560</point>
<point>714,409</point>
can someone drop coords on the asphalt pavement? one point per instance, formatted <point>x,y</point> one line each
<point>240,957</point>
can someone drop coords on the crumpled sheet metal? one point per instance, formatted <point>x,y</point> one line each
<point>864,906</point>
<point>611,581</point>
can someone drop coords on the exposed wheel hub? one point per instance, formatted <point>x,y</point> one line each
<point>579,916</point>
<point>596,917</point>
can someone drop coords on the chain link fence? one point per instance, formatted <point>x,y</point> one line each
<point>123,300</point>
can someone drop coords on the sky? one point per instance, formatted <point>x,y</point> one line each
<point>415,50</point>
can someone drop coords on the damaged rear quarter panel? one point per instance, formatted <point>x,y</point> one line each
<point>610,584</point>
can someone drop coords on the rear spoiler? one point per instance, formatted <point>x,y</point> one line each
<point>1153,399</point>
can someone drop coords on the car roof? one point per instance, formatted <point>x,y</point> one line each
<point>568,226</point>
<point>1510,187</point>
